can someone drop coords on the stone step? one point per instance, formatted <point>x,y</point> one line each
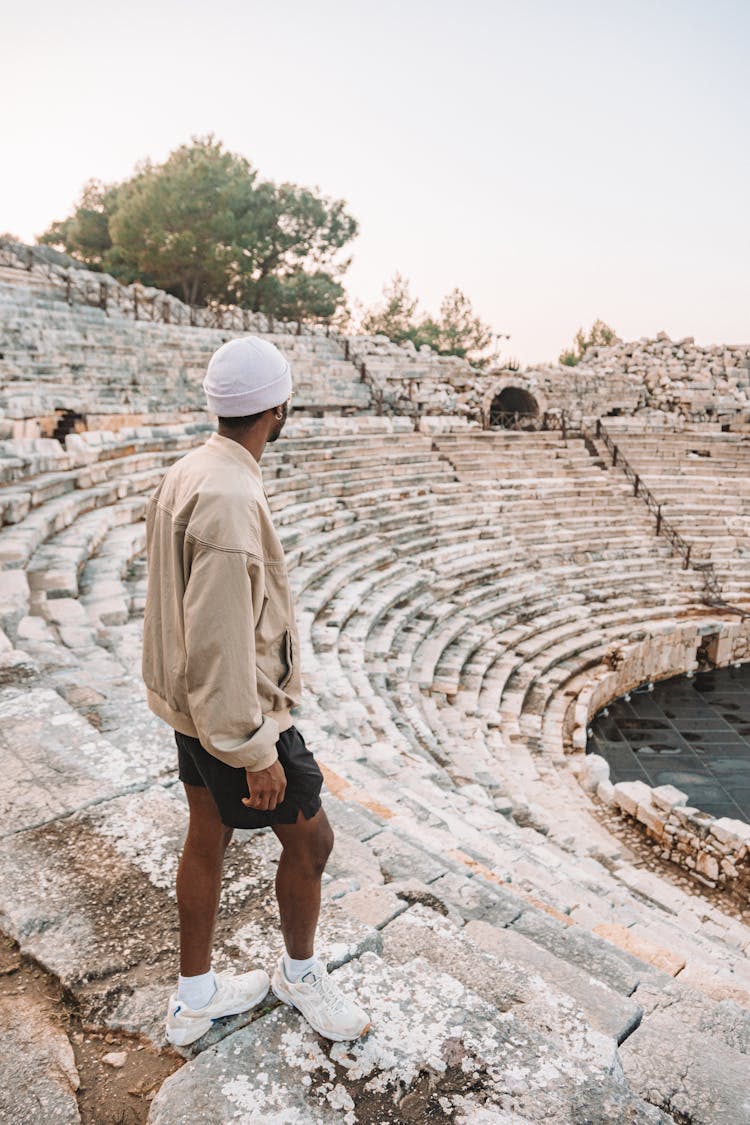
<point>55,761</point>
<point>505,967</point>
<point>691,1075</point>
<point>91,897</point>
<point>484,1063</point>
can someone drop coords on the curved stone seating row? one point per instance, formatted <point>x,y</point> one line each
<point>345,582</point>
<point>357,594</point>
<point>466,886</point>
<point>77,357</point>
<point>23,458</point>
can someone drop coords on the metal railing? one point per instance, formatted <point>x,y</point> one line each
<point>711,585</point>
<point>663,526</point>
<point>558,420</point>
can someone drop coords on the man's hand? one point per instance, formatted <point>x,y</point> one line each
<point>266,787</point>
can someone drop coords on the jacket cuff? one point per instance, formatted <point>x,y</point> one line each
<point>255,753</point>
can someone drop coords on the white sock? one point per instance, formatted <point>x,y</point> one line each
<point>295,970</point>
<point>196,991</point>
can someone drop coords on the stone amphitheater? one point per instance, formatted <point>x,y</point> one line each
<point>480,564</point>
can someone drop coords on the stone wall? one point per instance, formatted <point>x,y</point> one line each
<point>407,380</point>
<point>674,379</point>
<point>410,380</point>
<point>714,850</point>
<point>662,382</point>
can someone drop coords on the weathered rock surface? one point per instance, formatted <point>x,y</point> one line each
<point>38,1076</point>
<point>690,1075</point>
<point>55,762</point>
<point>92,898</point>
<point>436,1051</point>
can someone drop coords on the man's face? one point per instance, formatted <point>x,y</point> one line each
<point>278,424</point>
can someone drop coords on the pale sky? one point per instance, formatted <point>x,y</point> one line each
<point>558,161</point>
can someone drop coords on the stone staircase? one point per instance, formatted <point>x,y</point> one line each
<point>519,962</point>
<point>702,481</point>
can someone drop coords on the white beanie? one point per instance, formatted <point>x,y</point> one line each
<point>246,376</point>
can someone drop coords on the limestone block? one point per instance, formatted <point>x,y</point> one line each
<point>649,815</point>
<point>667,796</point>
<point>684,814</point>
<point>399,859</point>
<point>472,898</point>
<point>648,951</point>
<point>629,794</point>
<point>14,598</point>
<point>707,865</point>
<point>376,906</point>
<point>699,823</point>
<point>594,769</point>
<point>64,611</point>
<point>730,831</point>
<point>605,791</point>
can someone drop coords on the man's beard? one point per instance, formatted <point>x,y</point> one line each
<point>276,432</point>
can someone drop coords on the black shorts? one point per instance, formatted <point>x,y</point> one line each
<point>228,784</point>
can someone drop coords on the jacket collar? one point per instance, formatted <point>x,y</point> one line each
<point>231,448</point>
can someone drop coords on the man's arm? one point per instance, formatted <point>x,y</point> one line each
<point>219,622</point>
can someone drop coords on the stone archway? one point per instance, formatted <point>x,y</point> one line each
<point>513,405</point>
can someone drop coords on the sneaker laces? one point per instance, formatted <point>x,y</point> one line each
<point>332,997</point>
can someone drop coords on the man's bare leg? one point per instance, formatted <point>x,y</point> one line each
<point>199,881</point>
<point>306,847</point>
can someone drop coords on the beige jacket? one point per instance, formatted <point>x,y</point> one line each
<point>220,641</point>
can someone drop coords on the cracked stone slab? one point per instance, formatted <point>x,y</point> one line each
<point>726,1020</point>
<point>353,820</point>
<point>399,859</point>
<point>696,1079</point>
<point>605,1010</point>
<point>54,762</point>
<point>475,900</point>
<point>38,1075</point>
<point>436,1049</point>
<point>92,898</point>
<point>352,857</point>
<point>549,997</point>
<point>618,968</point>
<point>374,905</point>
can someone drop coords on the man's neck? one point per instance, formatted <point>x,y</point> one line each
<point>254,442</point>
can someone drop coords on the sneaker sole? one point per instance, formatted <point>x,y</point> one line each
<point>333,1036</point>
<point>178,1038</point>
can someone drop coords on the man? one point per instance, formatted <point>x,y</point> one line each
<point>221,666</point>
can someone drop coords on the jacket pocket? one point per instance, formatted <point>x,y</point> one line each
<point>289,655</point>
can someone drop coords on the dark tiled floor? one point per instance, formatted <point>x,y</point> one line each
<point>694,734</point>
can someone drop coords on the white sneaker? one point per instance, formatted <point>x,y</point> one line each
<point>235,993</point>
<point>324,1006</point>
